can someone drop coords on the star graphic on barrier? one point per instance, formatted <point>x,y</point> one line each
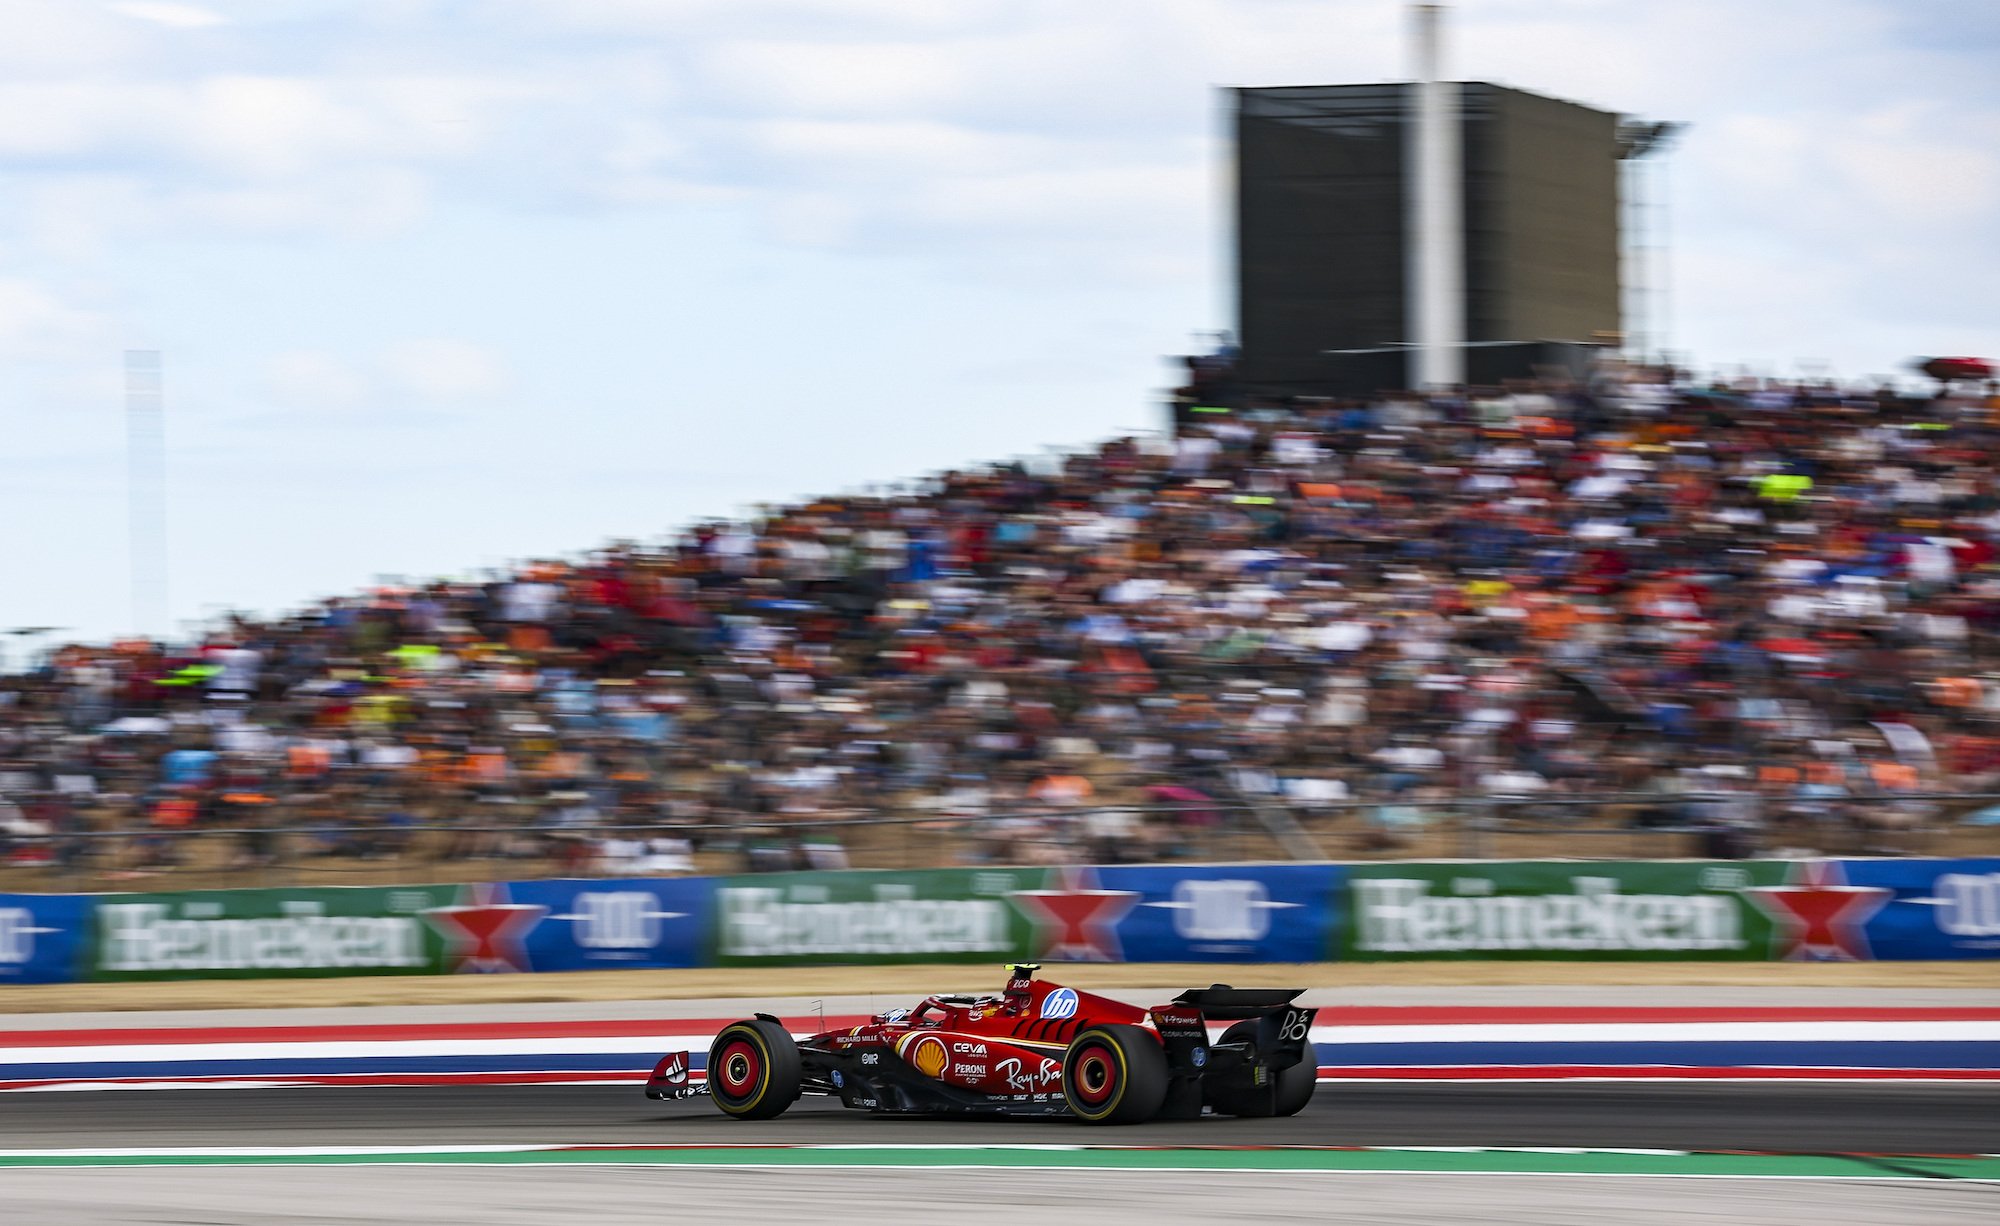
<point>484,929</point>
<point>1076,920</point>
<point>1819,917</point>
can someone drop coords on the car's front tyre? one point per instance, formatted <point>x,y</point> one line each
<point>754,1070</point>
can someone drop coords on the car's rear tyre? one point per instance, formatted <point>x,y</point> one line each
<point>1287,1093</point>
<point>1115,1075</point>
<point>754,1070</point>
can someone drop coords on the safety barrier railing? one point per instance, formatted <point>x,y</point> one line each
<point>1595,826</point>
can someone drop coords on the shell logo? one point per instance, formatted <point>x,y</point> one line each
<point>927,1054</point>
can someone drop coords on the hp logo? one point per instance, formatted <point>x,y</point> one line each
<point>1060,1003</point>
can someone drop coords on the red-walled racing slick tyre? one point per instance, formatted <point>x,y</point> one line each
<point>1114,1075</point>
<point>754,1070</point>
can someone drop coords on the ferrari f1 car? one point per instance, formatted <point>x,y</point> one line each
<point>1036,1049</point>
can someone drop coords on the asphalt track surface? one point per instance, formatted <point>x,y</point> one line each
<point>1783,1117</point>
<point>445,1196</point>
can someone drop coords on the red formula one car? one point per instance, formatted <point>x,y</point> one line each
<point>1036,1049</point>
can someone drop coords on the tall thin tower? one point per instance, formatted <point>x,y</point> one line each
<point>146,489</point>
<point>1436,221</point>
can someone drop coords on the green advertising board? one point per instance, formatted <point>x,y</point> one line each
<point>941,915</point>
<point>257,934</point>
<point>1661,911</point>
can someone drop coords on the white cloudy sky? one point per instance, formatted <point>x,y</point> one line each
<point>443,282</point>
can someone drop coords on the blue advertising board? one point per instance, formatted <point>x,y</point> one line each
<point>609,924</point>
<point>1911,910</point>
<point>42,936</point>
<point>1226,913</point>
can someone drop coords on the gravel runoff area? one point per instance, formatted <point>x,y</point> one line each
<point>897,981</point>
<point>448,1196</point>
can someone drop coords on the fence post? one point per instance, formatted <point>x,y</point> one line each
<point>1485,819</point>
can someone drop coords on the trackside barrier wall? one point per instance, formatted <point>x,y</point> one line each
<point>42,937</point>
<point>1660,910</point>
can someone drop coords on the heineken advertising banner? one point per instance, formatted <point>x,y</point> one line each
<point>209,934</point>
<point>940,915</point>
<point>40,936</point>
<point>1657,911</point>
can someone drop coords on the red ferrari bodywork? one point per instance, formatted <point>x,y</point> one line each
<point>1011,1044</point>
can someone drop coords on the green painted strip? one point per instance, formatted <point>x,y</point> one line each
<point>1478,1161</point>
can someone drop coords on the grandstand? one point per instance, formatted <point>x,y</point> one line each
<point>1630,614</point>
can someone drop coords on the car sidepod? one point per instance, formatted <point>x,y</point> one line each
<point>939,1072</point>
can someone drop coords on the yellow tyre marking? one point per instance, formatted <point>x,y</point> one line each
<point>765,1053</point>
<point>1111,1106</point>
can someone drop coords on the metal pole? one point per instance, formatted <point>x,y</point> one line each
<point>1663,324</point>
<point>1434,221</point>
<point>146,489</point>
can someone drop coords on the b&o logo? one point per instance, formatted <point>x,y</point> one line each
<point>17,935</point>
<point>1227,910</point>
<point>1969,904</point>
<point>619,919</point>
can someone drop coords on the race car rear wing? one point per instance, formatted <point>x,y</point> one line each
<point>1227,1004</point>
<point>1280,1038</point>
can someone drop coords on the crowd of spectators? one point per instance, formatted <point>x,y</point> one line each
<point>1767,608</point>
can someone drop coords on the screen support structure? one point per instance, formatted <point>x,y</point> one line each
<point>1435,221</point>
<point>146,489</point>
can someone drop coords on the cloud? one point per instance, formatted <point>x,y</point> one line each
<point>316,380</point>
<point>999,136</point>
<point>36,324</point>
<point>820,78</point>
<point>428,373</point>
<point>167,13</point>
<point>446,370</point>
<point>1920,165</point>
